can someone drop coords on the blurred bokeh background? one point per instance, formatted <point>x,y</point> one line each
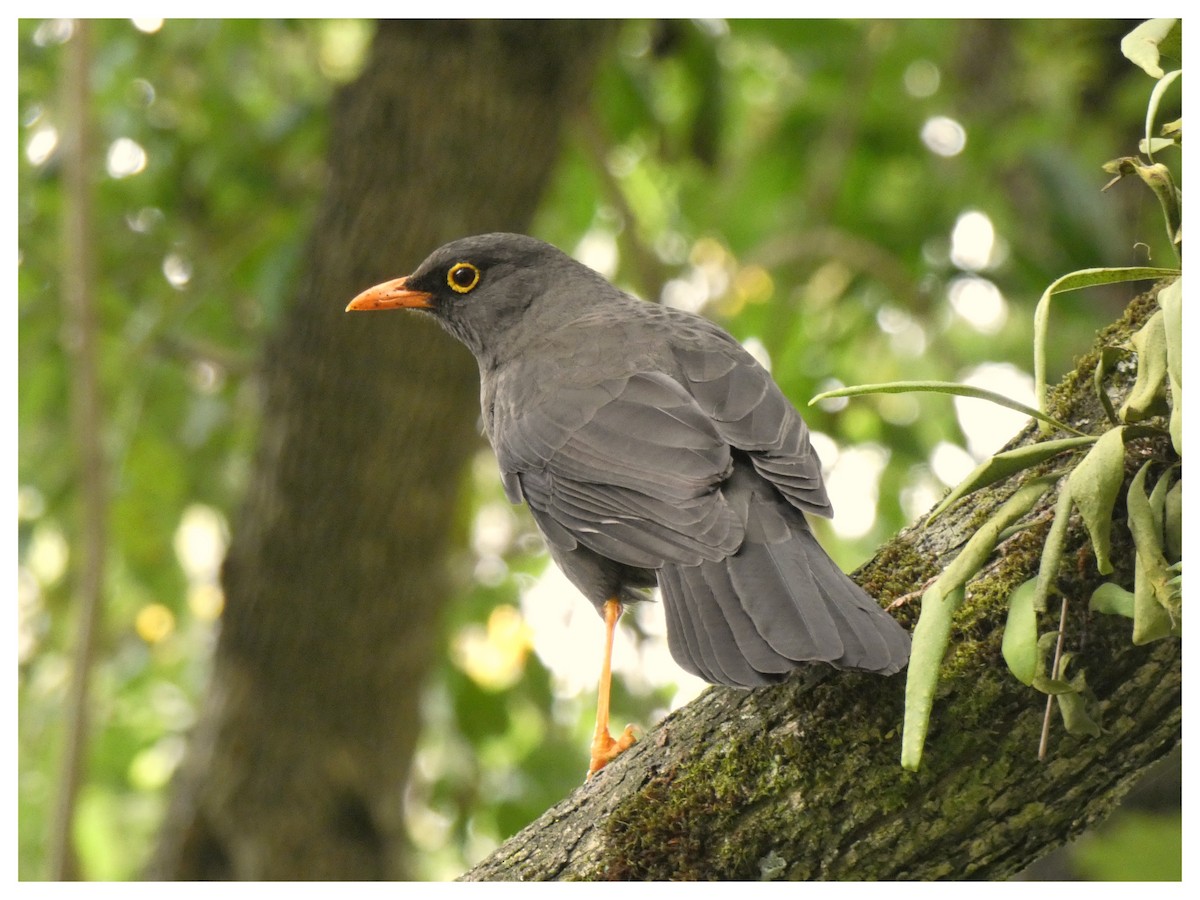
<point>856,201</point>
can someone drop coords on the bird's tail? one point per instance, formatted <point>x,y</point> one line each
<point>751,618</point>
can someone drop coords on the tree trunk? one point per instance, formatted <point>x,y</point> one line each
<point>335,577</point>
<point>802,781</point>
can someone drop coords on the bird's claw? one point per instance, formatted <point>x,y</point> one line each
<point>606,748</point>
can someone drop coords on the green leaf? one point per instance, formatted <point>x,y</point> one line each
<point>1173,524</point>
<point>1146,513</point>
<point>1112,599</point>
<point>1158,178</point>
<point>1094,485</point>
<point>1073,706</point>
<point>1148,396</point>
<point>1008,463</point>
<point>938,604</point>
<point>1053,686</point>
<point>930,639</point>
<point>1170,300</point>
<point>1155,602</point>
<point>1052,550</point>
<point>1019,646</point>
<point>944,387</point>
<point>1071,696</point>
<point>1151,622</point>
<point>1146,44</point>
<point>1073,282</point>
<point>977,550</point>
<point>1158,496</point>
<point>1153,145</point>
<point>1156,95</point>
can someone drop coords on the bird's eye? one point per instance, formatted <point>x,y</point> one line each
<point>462,277</point>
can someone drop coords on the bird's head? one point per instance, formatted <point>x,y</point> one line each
<point>492,290</point>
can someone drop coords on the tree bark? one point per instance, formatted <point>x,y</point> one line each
<point>335,576</point>
<point>802,780</point>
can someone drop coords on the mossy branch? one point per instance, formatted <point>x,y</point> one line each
<point>802,780</point>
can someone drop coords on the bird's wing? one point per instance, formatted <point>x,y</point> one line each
<point>630,468</point>
<point>752,414</point>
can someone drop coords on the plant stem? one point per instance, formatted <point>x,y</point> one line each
<point>1058,649</point>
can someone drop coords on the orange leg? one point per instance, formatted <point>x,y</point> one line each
<point>604,747</point>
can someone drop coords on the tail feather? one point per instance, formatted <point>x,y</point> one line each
<point>779,601</point>
<point>681,641</point>
<point>775,585</point>
<point>708,646</point>
<point>710,585</point>
<point>872,640</point>
<point>700,603</point>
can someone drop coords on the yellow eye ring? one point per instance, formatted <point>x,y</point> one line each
<point>462,277</point>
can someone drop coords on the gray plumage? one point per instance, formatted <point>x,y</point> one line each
<point>651,447</point>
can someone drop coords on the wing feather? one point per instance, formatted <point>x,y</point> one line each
<point>752,414</point>
<point>633,471</point>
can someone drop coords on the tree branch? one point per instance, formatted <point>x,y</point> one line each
<point>80,337</point>
<point>803,780</point>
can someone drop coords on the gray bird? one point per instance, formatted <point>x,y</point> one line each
<point>651,448</point>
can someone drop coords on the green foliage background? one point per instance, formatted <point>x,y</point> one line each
<point>774,168</point>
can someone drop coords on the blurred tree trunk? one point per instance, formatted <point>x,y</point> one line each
<point>802,781</point>
<point>336,573</point>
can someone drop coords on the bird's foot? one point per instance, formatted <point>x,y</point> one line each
<point>606,748</point>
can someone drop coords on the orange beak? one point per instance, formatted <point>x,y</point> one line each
<point>392,294</point>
